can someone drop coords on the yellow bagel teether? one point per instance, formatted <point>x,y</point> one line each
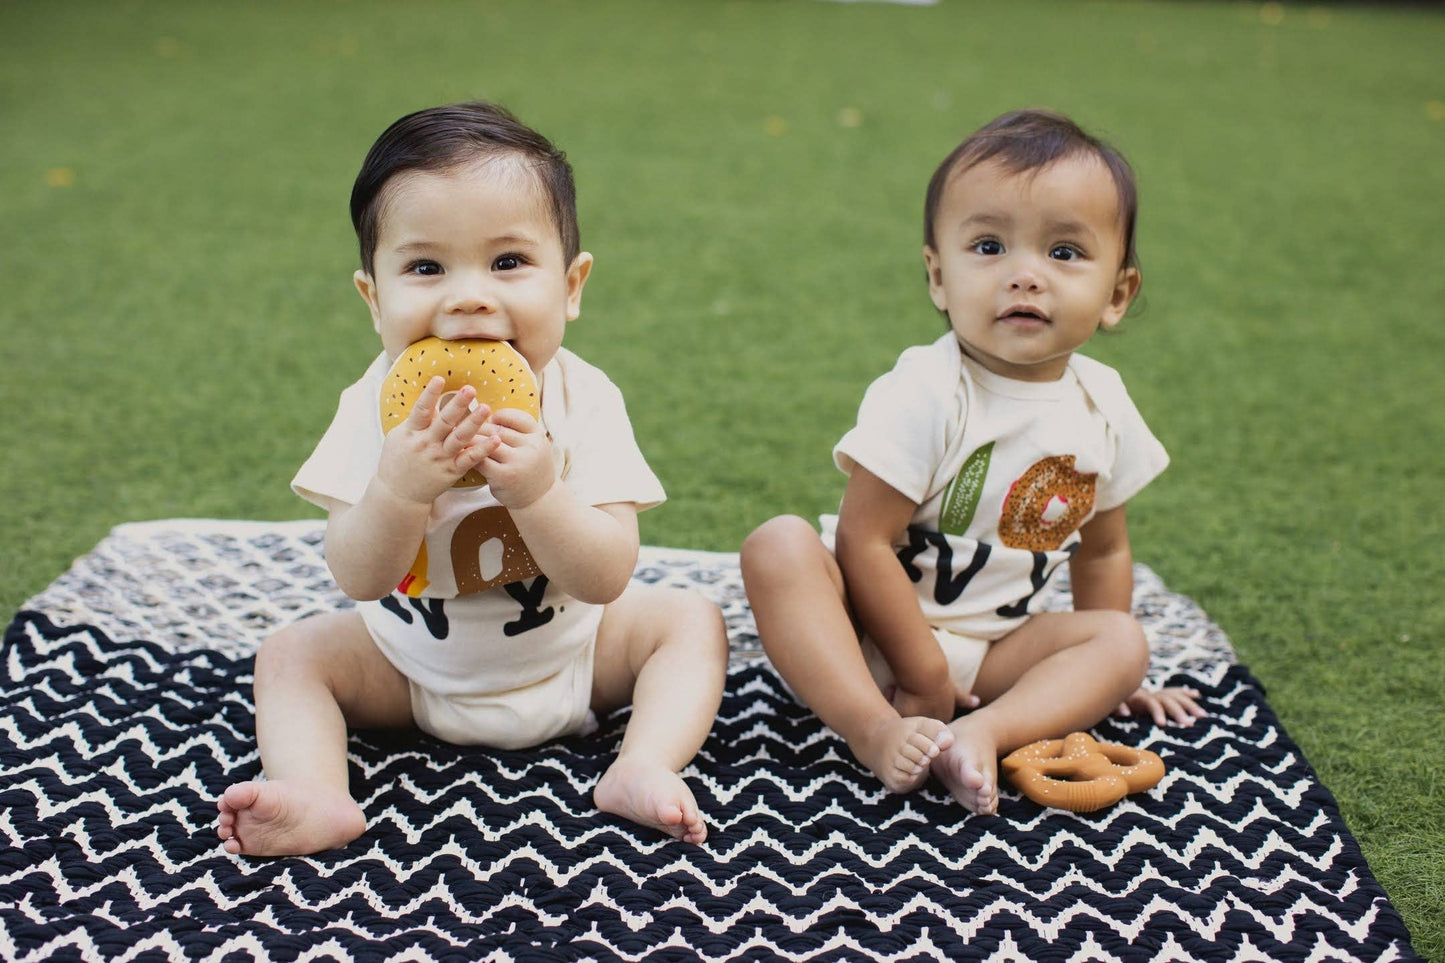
<point>501,376</point>
<point>1080,774</point>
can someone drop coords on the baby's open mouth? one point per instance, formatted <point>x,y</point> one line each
<point>1023,314</point>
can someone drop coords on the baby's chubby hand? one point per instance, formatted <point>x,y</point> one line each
<point>431,449</point>
<point>1172,702</point>
<point>519,466</point>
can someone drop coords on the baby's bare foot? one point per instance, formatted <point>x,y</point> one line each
<point>900,751</point>
<point>652,795</point>
<point>969,767</point>
<point>286,819</point>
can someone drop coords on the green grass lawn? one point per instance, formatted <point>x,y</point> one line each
<point>177,311</point>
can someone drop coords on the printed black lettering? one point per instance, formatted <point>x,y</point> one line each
<point>917,544</point>
<point>946,587</point>
<point>391,604</point>
<point>530,598</point>
<point>1038,578</point>
<point>433,614</point>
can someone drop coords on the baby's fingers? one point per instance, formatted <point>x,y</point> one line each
<point>964,698</point>
<point>1148,702</point>
<point>464,424</point>
<point>456,411</point>
<point>1184,706</point>
<point>424,410</point>
<point>516,420</point>
<point>473,453</point>
<point>468,441</point>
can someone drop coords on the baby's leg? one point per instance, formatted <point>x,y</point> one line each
<point>796,591</point>
<point>1059,672</point>
<point>312,678</point>
<point>665,651</point>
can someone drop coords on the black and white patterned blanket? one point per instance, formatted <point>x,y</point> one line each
<point>125,709</point>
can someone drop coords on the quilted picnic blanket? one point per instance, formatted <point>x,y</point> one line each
<point>125,709</point>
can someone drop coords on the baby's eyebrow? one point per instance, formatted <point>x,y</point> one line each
<point>516,240</point>
<point>432,247</point>
<point>415,247</point>
<point>1071,228</point>
<point>986,219</point>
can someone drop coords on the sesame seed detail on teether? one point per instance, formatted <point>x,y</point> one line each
<point>1080,774</point>
<point>499,374</point>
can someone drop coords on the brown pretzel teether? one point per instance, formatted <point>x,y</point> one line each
<point>1079,773</point>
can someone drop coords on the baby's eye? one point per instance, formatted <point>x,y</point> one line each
<point>424,267</point>
<point>507,262</point>
<point>987,246</point>
<point>1065,252</point>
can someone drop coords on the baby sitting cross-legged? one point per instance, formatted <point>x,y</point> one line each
<point>467,225</point>
<point>978,465</point>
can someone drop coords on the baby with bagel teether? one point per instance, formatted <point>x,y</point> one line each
<point>977,467</point>
<point>482,485</point>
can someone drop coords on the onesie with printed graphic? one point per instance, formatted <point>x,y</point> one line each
<point>1004,473</point>
<point>474,616</point>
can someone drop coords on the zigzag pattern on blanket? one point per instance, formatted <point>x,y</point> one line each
<point>112,753</point>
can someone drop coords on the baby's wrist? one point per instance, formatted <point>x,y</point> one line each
<point>525,500</point>
<point>399,495</point>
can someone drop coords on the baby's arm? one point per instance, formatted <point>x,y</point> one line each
<point>588,551</point>
<point>1102,575</point>
<point>873,515</point>
<point>1102,570</point>
<point>371,545</point>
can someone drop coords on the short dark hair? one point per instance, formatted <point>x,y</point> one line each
<point>448,137</point>
<point>1025,140</point>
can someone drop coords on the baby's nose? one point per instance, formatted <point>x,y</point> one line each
<point>1024,277</point>
<point>470,298</point>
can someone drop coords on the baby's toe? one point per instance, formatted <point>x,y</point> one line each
<point>670,814</point>
<point>911,754</point>
<point>942,736</point>
<point>921,745</point>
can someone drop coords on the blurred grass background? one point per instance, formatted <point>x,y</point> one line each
<point>178,316</point>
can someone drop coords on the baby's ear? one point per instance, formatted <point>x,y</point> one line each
<point>933,264</point>
<point>1126,285</point>
<point>577,274</point>
<point>366,285</point>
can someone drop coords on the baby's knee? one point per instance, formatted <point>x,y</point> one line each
<point>1128,645</point>
<point>778,545</point>
<point>285,655</point>
<point>699,624</point>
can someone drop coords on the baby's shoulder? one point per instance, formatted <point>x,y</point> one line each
<point>937,360</point>
<point>1105,389</point>
<point>576,371</point>
<point>927,370</point>
<point>921,396</point>
<point>1095,373</point>
<point>578,398</point>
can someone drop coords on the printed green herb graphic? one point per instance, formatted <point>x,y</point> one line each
<point>961,499</point>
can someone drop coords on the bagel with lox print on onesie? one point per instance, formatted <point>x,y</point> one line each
<point>497,371</point>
